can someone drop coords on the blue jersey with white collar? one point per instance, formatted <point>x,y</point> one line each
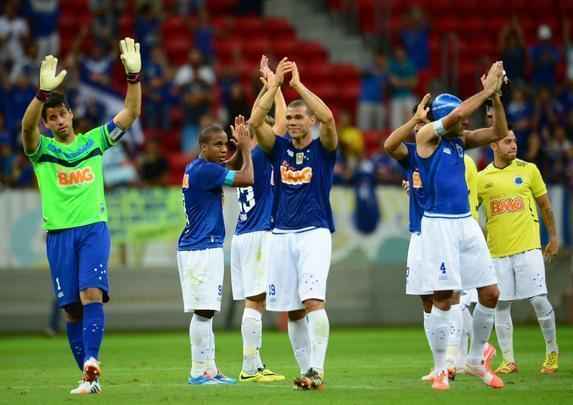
<point>416,192</point>
<point>303,179</point>
<point>203,199</point>
<point>443,176</point>
<point>256,202</point>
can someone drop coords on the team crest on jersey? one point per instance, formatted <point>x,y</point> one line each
<point>295,177</point>
<point>299,158</point>
<point>518,180</point>
<point>416,179</point>
<point>75,177</point>
<point>506,205</point>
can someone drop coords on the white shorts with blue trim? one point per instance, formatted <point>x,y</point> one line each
<point>455,253</point>
<point>249,264</point>
<point>521,275</point>
<point>201,275</point>
<point>299,265</point>
<point>417,280</point>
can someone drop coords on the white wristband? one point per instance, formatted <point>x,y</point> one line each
<point>439,127</point>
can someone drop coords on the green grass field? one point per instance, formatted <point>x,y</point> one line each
<point>363,366</point>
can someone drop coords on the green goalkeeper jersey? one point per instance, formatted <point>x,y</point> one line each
<point>70,177</point>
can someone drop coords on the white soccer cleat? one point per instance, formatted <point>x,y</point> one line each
<point>86,388</point>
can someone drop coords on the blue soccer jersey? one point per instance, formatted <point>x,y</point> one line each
<point>303,179</point>
<point>203,199</point>
<point>443,176</point>
<point>256,202</point>
<point>416,193</point>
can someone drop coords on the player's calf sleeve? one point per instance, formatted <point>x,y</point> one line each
<point>76,340</point>
<point>504,330</point>
<point>211,365</point>
<point>251,330</point>
<point>200,337</point>
<point>427,329</point>
<point>439,334</point>
<point>546,318</point>
<point>300,343</point>
<point>319,332</point>
<point>482,326</point>
<point>93,328</point>
<point>455,335</point>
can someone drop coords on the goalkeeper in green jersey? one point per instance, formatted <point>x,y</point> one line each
<point>68,167</point>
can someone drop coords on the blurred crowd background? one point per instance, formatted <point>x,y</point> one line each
<point>200,62</point>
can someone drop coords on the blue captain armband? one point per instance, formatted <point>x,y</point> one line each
<point>439,127</point>
<point>230,178</point>
<point>114,132</point>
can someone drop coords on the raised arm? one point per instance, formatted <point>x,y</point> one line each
<point>328,133</point>
<point>244,177</point>
<point>486,136</point>
<point>426,140</point>
<point>49,81</point>
<point>263,131</point>
<point>279,127</point>
<point>131,59</point>
<point>549,220</point>
<point>394,144</point>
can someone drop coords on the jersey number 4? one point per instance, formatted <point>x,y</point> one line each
<point>246,196</point>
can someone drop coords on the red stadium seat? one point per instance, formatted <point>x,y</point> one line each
<point>311,52</point>
<point>253,49</point>
<point>177,49</point>
<point>126,26</point>
<point>219,7</point>
<point>282,48</point>
<point>227,50</point>
<point>249,26</point>
<point>345,73</point>
<point>278,29</point>
<point>317,73</point>
<point>175,26</point>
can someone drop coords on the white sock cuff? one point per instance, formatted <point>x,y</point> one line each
<point>484,309</point>
<point>426,315</point>
<point>252,313</point>
<point>199,318</point>
<point>319,313</point>
<point>440,314</point>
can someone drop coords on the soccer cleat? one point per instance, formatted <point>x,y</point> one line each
<point>311,380</point>
<point>92,370</point>
<point>441,381</point>
<point>488,355</point>
<point>487,376</point>
<point>223,379</point>
<point>87,387</point>
<point>270,376</point>
<point>203,379</point>
<point>551,363</point>
<point>429,377</point>
<point>452,373</point>
<point>507,367</point>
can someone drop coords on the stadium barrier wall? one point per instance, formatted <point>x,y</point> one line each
<point>366,282</point>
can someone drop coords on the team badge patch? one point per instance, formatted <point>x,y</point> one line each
<point>299,158</point>
<point>518,180</point>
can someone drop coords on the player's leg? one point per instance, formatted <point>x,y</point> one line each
<point>455,336</point>
<point>252,331</point>
<point>427,310</point>
<point>314,251</point>
<point>93,247</point>
<point>439,335</point>
<point>530,283</point>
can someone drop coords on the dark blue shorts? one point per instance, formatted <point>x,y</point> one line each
<point>78,260</point>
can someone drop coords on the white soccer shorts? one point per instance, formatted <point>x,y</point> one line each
<point>299,265</point>
<point>520,276</point>
<point>456,254</point>
<point>201,275</point>
<point>249,264</point>
<point>417,280</point>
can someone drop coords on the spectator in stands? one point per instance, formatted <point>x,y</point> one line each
<point>19,96</point>
<point>388,170</point>
<point>403,79</point>
<point>22,171</point>
<point>568,46</point>
<point>414,35</point>
<point>7,157</point>
<point>513,51</point>
<point>249,7</point>
<point>351,139</point>
<point>152,166</point>
<point>191,7</point>
<point>237,104</point>
<point>13,31</point>
<point>147,25</point>
<point>96,69</point>
<point>557,150</point>
<point>204,37</point>
<point>373,88</point>
<point>548,110</point>
<point>27,63</point>
<point>195,70</point>
<point>196,104</point>
<point>43,17</point>
<point>544,59</point>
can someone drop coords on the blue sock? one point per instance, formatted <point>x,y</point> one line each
<point>76,341</point>
<point>93,328</point>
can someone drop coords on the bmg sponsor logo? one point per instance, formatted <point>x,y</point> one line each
<point>295,177</point>
<point>75,177</point>
<point>506,205</point>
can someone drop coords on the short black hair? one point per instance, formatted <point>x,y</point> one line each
<point>205,135</point>
<point>54,100</point>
